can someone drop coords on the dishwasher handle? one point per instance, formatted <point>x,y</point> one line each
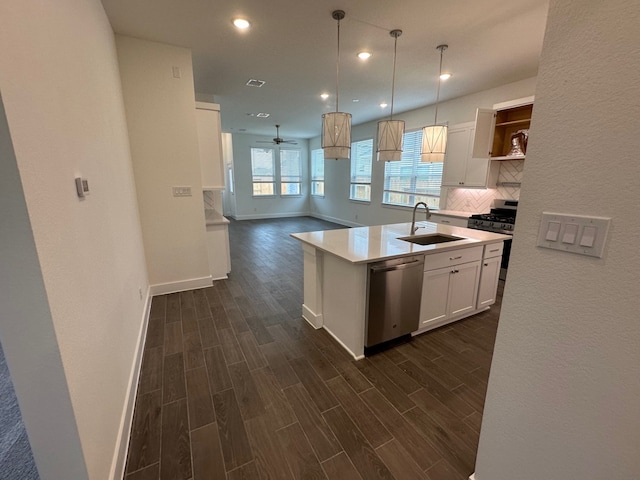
<point>402,266</point>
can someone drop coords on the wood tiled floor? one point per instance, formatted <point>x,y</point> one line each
<point>236,385</point>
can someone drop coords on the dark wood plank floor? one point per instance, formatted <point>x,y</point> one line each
<point>236,385</point>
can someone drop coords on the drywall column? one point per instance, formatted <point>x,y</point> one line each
<point>563,397</point>
<point>157,83</point>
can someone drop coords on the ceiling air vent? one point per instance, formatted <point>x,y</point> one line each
<point>255,83</point>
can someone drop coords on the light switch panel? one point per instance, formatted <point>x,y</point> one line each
<point>181,191</point>
<point>553,231</point>
<point>574,233</point>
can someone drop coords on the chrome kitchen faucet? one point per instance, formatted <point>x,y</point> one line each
<point>413,218</point>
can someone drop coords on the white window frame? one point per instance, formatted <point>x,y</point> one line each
<point>317,181</point>
<point>259,179</point>
<point>428,174</point>
<point>361,179</point>
<point>291,179</point>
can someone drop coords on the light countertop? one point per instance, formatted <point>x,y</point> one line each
<point>454,213</point>
<point>213,217</point>
<point>381,242</point>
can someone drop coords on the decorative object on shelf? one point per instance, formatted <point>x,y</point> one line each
<point>518,143</point>
<point>434,137</point>
<point>336,126</point>
<point>391,132</point>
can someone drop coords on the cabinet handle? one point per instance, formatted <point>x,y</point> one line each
<point>486,264</point>
<point>455,271</point>
<point>455,258</point>
<point>445,221</point>
<point>494,250</point>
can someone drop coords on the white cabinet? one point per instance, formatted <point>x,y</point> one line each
<point>210,145</point>
<point>218,250</point>
<point>494,127</point>
<point>450,292</point>
<point>462,168</point>
<point>449,220</point>
<point>489,275</point>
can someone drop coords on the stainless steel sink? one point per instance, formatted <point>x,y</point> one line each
<point>430,239</point>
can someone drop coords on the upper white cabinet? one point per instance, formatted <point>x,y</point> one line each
<point>210,145</point>
<point>494,128</point>
<point>461,167</point>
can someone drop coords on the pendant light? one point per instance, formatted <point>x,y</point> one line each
<point>336,126</point>
<point>391,132</point>
<point>434,137</point>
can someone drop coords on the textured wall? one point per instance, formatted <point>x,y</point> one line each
<point>77,302</point>
<point>563,394</point>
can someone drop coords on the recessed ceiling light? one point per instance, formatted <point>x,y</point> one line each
<point>241,23</point>
<point>252,82</point>
<point>355,100</point>
<point>262,115</point>
<point>445,76</point>
<point>324,96</point>
<point>383,105</point>
<point>364,55</point>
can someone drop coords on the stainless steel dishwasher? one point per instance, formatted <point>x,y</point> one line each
<point>393,304</point>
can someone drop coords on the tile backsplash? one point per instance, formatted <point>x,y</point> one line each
<point>212,200</point>
<point>479,200</point>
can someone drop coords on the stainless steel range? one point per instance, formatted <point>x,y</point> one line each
<point>501,219</point>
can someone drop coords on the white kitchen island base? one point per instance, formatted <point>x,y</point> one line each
<point>336,266</point>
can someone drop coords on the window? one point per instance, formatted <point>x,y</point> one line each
<point>263,171</point>
<point>317,172</point>
<point>361,158</point>
<point>409,180</point>
<point>290,172</point>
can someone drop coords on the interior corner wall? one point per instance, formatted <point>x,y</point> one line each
<point>564,389</point>
<point>70,312</point>
<point>250,207</point>
<point>157,81</point>
<point>336,206</point>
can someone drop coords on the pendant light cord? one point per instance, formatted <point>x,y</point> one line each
<point>393,79</point>
<point>442,48</point>
<point>338,71</point>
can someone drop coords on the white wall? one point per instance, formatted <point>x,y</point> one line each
<point>564,393</point>
<point>70,312</point>
<point>248,206</point>
<point>336,204</point>
<point>164,148</point>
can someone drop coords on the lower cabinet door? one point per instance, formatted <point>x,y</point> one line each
<point>463,288</point>
<point>489,281</point>
<point>435,291</point>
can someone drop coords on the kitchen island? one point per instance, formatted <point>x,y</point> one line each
<point>460,276</point>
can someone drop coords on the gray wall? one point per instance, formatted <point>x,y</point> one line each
<point>248,206</point>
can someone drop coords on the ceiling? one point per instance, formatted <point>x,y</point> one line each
<point>291,45</point>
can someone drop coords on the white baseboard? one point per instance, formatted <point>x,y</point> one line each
<point>263,216</point>
<point>339,221</point>
<point>122,444</point>
<point>355,357</point>
<point>472,477</point>
<point>180,286</point>
<point>313,319</point>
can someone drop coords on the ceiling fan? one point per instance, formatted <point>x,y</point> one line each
<point>278,140</point>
